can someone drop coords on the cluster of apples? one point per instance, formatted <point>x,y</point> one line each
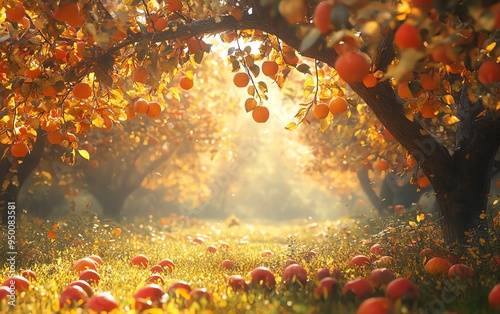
<point>328,282</point>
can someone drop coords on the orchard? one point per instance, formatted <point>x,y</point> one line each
<point>139,103</point>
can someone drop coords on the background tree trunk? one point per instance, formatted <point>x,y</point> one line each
<point>10,169</point>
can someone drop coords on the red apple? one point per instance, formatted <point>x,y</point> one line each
<point>179,289</point>
<point>295,273</point>
<point>267,253</point>
<point>359,261</point>
<point>323,273</point>
<point>167,263</point>
<point>429,253</point>
<point>85,263</point>
<point>84,285</point>
<point>291,262</point>
<point>494,297</point>
<point>18,282</point>
<point>149,296</point>
<point>377,249</point>
<point>237,283</point>
<point>157,269</point>
<point>211,249</point>
<point>381,277</point>
<point>198,240</point>
<point>402,288</point>
<point>325,288</point>
<point>437,265</point>
<point>227,264</point>
<point>384,261</point>
<point>4,292</point>
<point>156,278</point>
<point>29,274</point>
<point>461,270</point>
<point>73,296</point>
<point>377,305</point>
<point>399,209</point>
<point>139,260</point>
<point>103,301</point>
<point>359,287</point>
<point>90,276</point>
<point>263,277</point>
<point>201,296</point>
<point>96,258</point>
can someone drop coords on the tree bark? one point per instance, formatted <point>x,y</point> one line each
<point>116,179</point>
<point>366,185</point>
<point>10,168</point>
<point>463,185</point>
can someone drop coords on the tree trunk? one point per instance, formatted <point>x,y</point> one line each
<point>10,169</point>
<point>380,203</point>
<point>111,202</point>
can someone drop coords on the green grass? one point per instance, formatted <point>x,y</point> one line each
<point>334,242</point>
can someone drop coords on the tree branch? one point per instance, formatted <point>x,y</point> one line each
<point>426,148</point>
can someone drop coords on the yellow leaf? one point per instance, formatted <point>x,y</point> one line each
<point>85,154</point>
<point>450,119</point>
<point>324,124</point>
<point>412,224</point>
<point>495,202</point>
<point>448,99</point>
<point>291,126</point>
<point>175,92</point>
<point>420,217</point>
<point>190,74</point>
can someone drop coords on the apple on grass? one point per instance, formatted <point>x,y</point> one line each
<point>402,288</point>
<point>103,301</point>
<point>376,305</point>
<point>237,283</point>
<point>295,274</point>
<point>381,277</point>
<point>358,287</point>
<point>263,277</point>
<point>84,285</point>
<point>18,282</point>
<point>149,296</point>
<point>139,260</point>
<point>73,296</point>
<point>325,288</point>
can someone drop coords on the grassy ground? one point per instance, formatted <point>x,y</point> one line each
<point>50,248</point>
